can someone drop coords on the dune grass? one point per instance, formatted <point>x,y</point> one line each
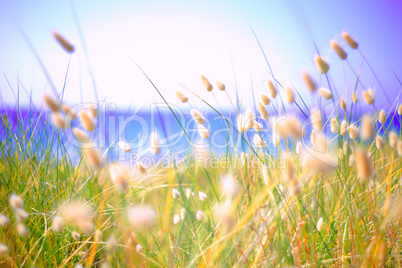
<point>262,205</point>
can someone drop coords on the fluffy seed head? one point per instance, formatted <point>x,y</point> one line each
<point>154,143</point>
<point>78,214</point>
<point>138,248</point>
<point>93,111</point>
<point>353,132</point>
<point>206,83</point>
<point>325,93</point>
<point>393,139</point>
<point>197,116</point>
<point>175,193</point>
<point>399,148</point>
<point>367,126</point>
<point>69,113</point>
<point>343,104</point>
<point>111,244</point>
<point>321,64</point>
<point>203,131</point>
<point>263,111</point>
<point>299,147</point>
<point>203,196</point>
<point>86,121</point>
<point>309,81</point>
<point>351,42</point>
<point>176,219</point>
<point>51,103</point>
<point>379,143</point>
<point>141,168</point>
<point>259,142</point>
<point>58,224</point>
<point>344,128</point>
<point>221,86</point>
<point>364,166</point>
<point>382,117</point>
<point>320,224</point>
<point>21,214</point>
<point>4,220</point>
<point>182,98</point>
<point>80,135</point>
<point>265,99</point>
<point>200,215</point>
<point>22,230</point>
<point>245,121</point>
<point>124,146</point>
<point>289,95</point>
<point>58,120</point>
<point>119,176</point>
<point>368,97</point>
<point>316,119</point>
<point>93,157</point>
<point>257,126</point>
<point>189,193</point>
<point>3,250</point>
<point>183,213</point>
<point>16,202</point>
<point>141,216</point>
<point>334,125</point>
<point>352,161</point>
<point>354,98</point>
<point>266,176</point>
<point>338,50</point>
<point>272,89</point>
<point>400,110</point>
<point>68,47</point>
<point>75,235</point>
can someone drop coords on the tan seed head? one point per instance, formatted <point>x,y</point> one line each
<point>338,50</point>
<point>63,42</point>
<point>206,83</point>
<point>321,64</point>
<point>351,42</point>
<point>309,81</point>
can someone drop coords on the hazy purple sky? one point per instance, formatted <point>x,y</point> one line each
<point>175,41</point>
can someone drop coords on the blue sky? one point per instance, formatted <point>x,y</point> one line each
<point>176,41</point>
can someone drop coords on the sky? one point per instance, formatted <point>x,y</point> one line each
<point>174,42</point>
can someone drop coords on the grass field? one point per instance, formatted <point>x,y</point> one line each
<point>315,200</point>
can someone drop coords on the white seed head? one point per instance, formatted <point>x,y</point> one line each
<point>4,221</point>
<point>229,185</point>
<point>16,202</point>
<point>321,64</point>
<point>326,93</point>
<point>299,147</point>
<point>200,215</point>
<point>393,139</point>
<point>379,143</point>
<point>183,213</point>
<point>368,96</point>
<point>111,244</point>
<point>22,230</point>
<point>124,146</point>
<point>320,224</point>
<point>334,125</point>
<point>316,119</point>
<point>202,195</point>
<point>141,216</point>
<point>189,193</point>
<point>353,132</point>
<point>176,219</point>
<point>58,224</point>
<point>138,248</point>
<point>3,250</point>
<point>75,235</point>
<point>175,193</point>
<point>382,117</point>
<point>119,176</point>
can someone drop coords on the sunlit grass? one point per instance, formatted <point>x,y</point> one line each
<point>271,202</point>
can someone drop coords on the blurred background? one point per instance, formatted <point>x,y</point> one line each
<point>176,41</point>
